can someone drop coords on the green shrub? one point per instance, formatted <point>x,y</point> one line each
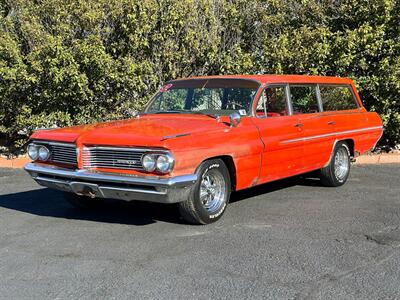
<point>65,62</point>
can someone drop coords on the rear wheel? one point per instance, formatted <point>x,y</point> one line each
<point>82,202</point>
<point>338,170</point>
<point>209,196</point>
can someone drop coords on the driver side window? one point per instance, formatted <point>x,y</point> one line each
<point>272,103</point>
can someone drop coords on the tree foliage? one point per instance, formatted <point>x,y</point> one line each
<point>65,62</point>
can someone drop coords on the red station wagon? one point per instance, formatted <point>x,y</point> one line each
<point>201,138</point>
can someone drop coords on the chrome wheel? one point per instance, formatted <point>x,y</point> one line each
<point>342,164</point>
<point>212,191</point>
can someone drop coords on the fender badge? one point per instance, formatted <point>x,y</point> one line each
<point>167,137</point>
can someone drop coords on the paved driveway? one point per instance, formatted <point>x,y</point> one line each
<point>290,239</point>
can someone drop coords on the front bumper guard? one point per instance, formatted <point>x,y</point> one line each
<point>106,185</point>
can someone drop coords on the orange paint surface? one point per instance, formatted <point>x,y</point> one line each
<point>262,149</point>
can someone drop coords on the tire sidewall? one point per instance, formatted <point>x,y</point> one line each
<point>338,181</point>
<point>202,213</point>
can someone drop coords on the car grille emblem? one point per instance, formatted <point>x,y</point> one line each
<point>124,161</point>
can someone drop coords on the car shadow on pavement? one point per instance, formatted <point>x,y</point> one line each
<point>50,203</point>
<point>304,180</point>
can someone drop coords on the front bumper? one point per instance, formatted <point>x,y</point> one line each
<point>106,185</point>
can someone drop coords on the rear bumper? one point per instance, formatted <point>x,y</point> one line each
<point>101,185</point>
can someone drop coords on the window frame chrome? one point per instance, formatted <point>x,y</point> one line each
<point>255,97</point>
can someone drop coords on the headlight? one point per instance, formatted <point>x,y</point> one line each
<point>165,163</point>
<point>149,162</point>
<point>160,162</point>
<point>33,152</point>
<point>44,153</point>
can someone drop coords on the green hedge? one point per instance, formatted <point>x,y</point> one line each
<point>66,62</point>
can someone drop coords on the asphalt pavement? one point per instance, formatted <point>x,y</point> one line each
<point>291,239</point>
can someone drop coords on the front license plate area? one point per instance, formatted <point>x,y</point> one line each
<point>86,189</point>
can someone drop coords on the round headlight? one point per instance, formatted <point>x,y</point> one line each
<point>164,163</point>
<point>149,162</point>
<point>33,152</point>
<point>44,153</point>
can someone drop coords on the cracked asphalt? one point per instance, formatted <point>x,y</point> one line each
<point>291,239</point>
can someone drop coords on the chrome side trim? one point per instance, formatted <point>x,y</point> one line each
<point>307,138</point>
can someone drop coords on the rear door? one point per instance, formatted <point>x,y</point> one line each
<point>276,125</point>
<point>317,127</point>
<point>340,104</point>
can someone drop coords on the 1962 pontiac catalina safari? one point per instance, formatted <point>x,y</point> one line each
<point>199,139</point>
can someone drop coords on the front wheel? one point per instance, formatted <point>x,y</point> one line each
<point>210,194</point>
<point>338,170</point>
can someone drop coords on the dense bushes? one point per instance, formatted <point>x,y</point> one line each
<point>68,61</point>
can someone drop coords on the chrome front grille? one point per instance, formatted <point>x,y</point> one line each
<point>64,153</point>
<point>113,158</point>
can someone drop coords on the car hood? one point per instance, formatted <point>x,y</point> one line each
<point>145,130</point>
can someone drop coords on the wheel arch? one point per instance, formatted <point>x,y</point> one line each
<point>349,142</point>
<point>230,164</point>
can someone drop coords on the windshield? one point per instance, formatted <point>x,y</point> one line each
<point>209,96</point>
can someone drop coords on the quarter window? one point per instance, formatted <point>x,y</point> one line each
<point>337,97</point>
<point>304,99</point>
<point>272,102</point>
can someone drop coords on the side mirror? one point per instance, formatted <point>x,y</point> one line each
<point>234,119</point>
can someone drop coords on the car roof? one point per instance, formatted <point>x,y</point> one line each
<point>271,78</point>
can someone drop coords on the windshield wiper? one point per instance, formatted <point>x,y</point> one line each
<point>214,116</point>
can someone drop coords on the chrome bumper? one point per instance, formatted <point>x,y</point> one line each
<point>101,185</point>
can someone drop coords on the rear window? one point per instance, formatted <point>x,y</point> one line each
<point>337,97</point>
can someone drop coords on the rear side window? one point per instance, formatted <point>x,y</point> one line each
<point>337,97</point>
<point>304,99</point>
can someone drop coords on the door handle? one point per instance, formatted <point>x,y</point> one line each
<point>298,125</point>
<point>331,123</point>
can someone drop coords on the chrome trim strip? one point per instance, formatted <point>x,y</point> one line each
<point>72,145</point>
<point>330,134</point>
<point>131,190</point>
<point>102,177</point>
<point>167,137</point>
<point>319,99</point>
<point>133,149</point>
